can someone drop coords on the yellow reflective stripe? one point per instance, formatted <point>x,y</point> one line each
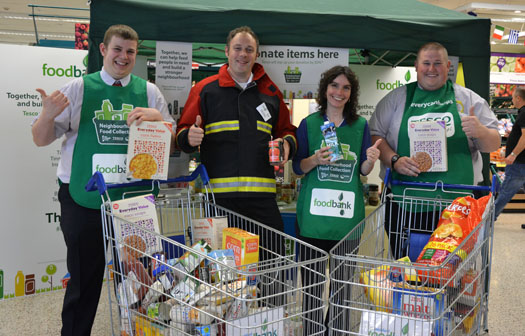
<point>242,179</point>
<point>243,184</point>
<point>243,189</point>
<point>229,125</point>
<point>264,127</point>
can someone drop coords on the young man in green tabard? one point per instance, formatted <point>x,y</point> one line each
<point>82,111</point>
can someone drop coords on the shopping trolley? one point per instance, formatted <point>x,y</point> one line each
<point>178,286</point>
<point>374,292</point>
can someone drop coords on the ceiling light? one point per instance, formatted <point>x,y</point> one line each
<point>517,11</point>
<point>44,35</point>
<point>490,6</point>
<point>512,20</point>
<point>39,18</point>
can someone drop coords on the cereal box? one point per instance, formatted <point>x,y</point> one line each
<point>149,150</point>
<point>209,229</point>
<point>423,303</point>
<point>245,245</point>
<point>376,323</point>
<point>140,211</point>
<point>147,327</point>
<point>428,145</point>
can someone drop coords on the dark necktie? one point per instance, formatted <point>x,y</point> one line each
<point>117,83</point>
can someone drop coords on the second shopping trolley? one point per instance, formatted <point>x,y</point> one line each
<point>378,288</point>
<point>248,284</point>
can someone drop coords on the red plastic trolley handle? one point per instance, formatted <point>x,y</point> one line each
<point>493,188</point>
<point>96,182</point>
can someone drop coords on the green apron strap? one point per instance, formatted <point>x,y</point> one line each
<point>436,105</point>
<point>331,200</point>
<point>102,139</point>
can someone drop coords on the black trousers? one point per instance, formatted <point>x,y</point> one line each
<point>265,211</point>
<point>310,275</point>
<point>82,229</point>
<point>272,245</point>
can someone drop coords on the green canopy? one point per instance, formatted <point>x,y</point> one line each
<point>396,25</point>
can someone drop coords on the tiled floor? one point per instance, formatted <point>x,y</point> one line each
<point>40,314</point>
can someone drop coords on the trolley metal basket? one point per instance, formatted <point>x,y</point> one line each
<point>375,293</point>
<point>175,286</point>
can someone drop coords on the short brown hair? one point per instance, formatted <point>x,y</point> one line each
<point>520,91</point>
<point>433,46</point>
<point>120,30</point>
<point>243,29</point>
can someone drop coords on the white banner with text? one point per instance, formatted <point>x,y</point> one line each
<point>32,247</point>
<point>297,70</point>
<point>173,77</point>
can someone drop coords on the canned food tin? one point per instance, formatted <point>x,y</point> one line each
<point>275,152</point>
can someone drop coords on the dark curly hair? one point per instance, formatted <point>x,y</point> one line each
<point>350,109</point>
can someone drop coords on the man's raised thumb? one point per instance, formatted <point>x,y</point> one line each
<point>42,93</point>
<point>471,111</point>
<point>198,121</point>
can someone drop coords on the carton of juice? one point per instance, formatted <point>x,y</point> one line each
<point>209,229</point>
<point>330,138</point>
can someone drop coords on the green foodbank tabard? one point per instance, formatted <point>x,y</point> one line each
<point>331,202</point>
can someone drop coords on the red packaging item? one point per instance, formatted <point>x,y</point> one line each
<point>143,278</point>
<point>133,248</point>
<point>456,222</point>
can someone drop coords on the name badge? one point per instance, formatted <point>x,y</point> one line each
<point>263,110</point>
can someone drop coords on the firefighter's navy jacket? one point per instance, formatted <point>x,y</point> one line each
<point>236,131</point>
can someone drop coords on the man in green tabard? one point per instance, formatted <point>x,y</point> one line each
<point>82,111</point>
<point>471,128</point>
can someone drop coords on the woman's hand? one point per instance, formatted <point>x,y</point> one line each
<point>322,156</point>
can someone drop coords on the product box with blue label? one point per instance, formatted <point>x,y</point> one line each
<point>424,303</point>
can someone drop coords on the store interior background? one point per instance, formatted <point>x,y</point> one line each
<point>17,26</point>
<point>56,26</point>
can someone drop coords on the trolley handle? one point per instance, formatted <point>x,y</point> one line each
<point>96,182</point>
<point>492,188</point>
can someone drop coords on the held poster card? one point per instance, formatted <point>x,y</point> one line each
<point>136,216</point>
<point>149,150</point>
<point>428,145</point>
